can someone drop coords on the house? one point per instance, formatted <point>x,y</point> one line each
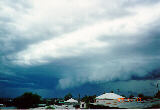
<point>61,102</point>
<point>109,99</point>
<point>41,105</point>
<point>83,105</point>
<point>1,105</point>
<point>71,101</point>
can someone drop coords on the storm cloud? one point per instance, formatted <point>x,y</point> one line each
<point>67,43</point>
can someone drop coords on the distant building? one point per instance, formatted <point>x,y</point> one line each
<point>1,105</point>
<point>61,102</point>
<point>41,105</point>
<point>109,99</point>
<point>83,105</point>
<point>71,101</point>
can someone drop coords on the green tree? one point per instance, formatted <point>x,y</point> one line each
<point>49,107</point>
<point>68,96</point>
<point>89,99</point>
<point>27,100</point>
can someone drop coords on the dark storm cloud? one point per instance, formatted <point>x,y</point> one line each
<point>57,46</point>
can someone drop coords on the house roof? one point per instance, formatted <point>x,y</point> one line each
<point>72,101</point>
<point>109,96</point>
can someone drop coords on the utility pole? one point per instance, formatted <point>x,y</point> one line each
<point>79,98</point>
<point>157,87</point>
<point>118,91</point>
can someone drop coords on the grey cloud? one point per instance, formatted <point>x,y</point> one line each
<point>129,57</point>
<point>123,62</point>
<point>139,2</point>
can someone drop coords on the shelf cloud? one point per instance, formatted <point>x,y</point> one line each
<point>79,42</point>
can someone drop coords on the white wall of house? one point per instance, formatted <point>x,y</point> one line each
<point>83,105</point>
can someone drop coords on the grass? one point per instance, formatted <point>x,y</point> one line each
<point>49,107</point>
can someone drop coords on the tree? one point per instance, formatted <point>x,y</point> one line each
<point>131,96</point>
<point>141,96</point>
<point>124,95</point>
<point>157,94</point>
<point>49,107</point>
<point>68,96</point>
<point>112,91</point>
<point>27,100</point>
<point>89,99</point>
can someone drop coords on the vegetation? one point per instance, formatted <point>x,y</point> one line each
<point>141,95</point>
<point>27,100</point>
<point>88,99</point>
<point>112,92</point>
<point>49,107</point>
<point>157,94</point>
<point>131,96</point>
<point>123,95</point>
<point>68,96</point>
<point>6,101</point>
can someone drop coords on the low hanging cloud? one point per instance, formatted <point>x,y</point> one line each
<point>98,40</point>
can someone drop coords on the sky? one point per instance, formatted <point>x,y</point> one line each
<point>52,47</point>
